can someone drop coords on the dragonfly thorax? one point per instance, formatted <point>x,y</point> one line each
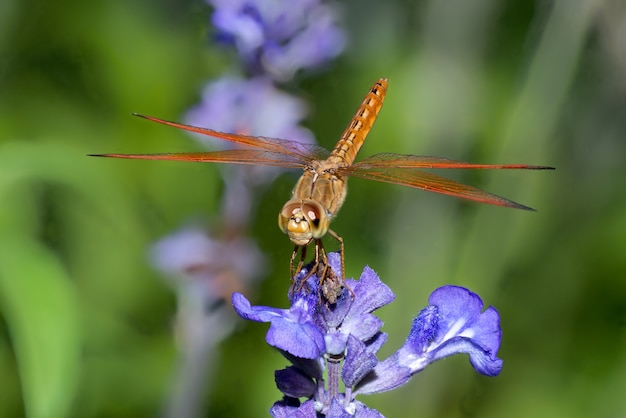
<point>322,184</point>
<point>303,221</point>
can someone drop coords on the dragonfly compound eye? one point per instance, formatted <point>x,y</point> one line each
<point>293,222</point>
<point>303,220</point>
<point>317,218</point>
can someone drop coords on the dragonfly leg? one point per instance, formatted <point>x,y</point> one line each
<point>311,271</point>
<point>341,252</point>
<point>321,253</point>
<point>293,273</point>
<point>343,263</point>
<point>331,284</point>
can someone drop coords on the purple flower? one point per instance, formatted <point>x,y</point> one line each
<point>329,341</point>
<point>452,324</point>
<point>250,107</point>
<point>279,37</point>
<point>204,271</point>
<point>204,267</point>
<point>292,330</point>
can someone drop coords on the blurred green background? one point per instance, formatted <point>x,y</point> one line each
<point>86,323</point>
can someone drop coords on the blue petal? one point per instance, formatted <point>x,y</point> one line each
<point>364,412</point>
<point>290,408</point>
<point>370,293</point>
<point>458,308</point>
<point>311,367</point>
<point>336,409</point>
<point>484,362</point>
<point>374,343</point>
<point>302,340</point>
<point>359,362</point>
<point>254,313</point>
<point>454,324</point>
<point>291,330</point>
<point>294,383</point>
<point>387,375</point>
<point>354,409</point>
<point>333,315</point>
<point>363,326</point>
<point>424,329</point>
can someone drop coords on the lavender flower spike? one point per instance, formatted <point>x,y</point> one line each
<point>250,107</point>
<point>327,341</point>
<point>279,37</point>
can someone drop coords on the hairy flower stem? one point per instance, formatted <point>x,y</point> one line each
<point>334,370</point>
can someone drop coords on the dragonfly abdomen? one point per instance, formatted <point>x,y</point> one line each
<point>353,137</point>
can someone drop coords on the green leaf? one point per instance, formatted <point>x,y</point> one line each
<point>41,309</point>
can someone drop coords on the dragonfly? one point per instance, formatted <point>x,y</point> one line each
<point>321,190</point>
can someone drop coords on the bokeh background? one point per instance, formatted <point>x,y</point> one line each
<point>86,323</point>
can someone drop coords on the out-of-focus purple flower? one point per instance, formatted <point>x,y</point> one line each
<point>250,107</point>
<point>342,340</point>
<point>210,268</point>
<point>279,37</point>
<point>203,271</point>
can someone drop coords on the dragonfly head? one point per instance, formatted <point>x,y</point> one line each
<point>303,220</point>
